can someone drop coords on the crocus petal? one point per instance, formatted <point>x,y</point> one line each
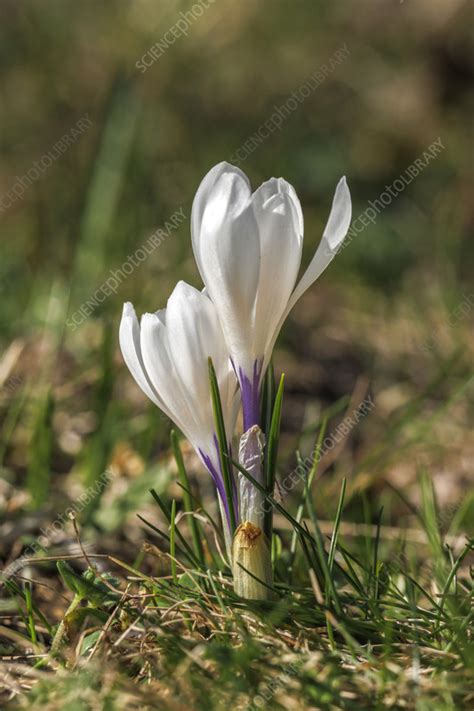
<point>334,233</point>
<point>176,344</point>
<point>279,217</point>
<point>194,335</point>
<point>129,338</point>
<point>228,189</point>
<point>190,320</point>
<point>279,185</point>
<point>248,250</point>
<point>168,357</point>
<point>226,243</point>
<point>160,369</point>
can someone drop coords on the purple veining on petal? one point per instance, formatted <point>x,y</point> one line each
<point>218,481</point>
<point>235,498</point>
<point>235,495</point>
<point>250,391</point>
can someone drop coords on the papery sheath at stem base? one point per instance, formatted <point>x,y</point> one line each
<point>252,500</point>
<point>251,563</point>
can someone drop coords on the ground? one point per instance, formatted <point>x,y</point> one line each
<point>372,599</point>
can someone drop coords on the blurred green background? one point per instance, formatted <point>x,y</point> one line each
<point>380,320</point>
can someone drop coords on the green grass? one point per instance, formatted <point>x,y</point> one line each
<point>373,550</point>
<point>394,632</point>
<point>373,584</point>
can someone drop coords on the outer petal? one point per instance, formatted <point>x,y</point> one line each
<point>160,370</point>
<point>175,350</point>
<point>194,335</point>
<point>129,338</point>
<point>169,355</point>
<point>226,247</point>
<point>226,184</point>
<point>334,233</point>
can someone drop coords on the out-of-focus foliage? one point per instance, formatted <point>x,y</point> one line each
<point>390,321</point>
<point>384,309</point>
<point>155,134</point>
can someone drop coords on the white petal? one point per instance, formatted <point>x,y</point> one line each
<point>176,346</point>
<point>297,205</point>
<point>334,233</point>
<point>340,216</point>
<point>160,370</point>
<point>279,218</point>
<point>129,337</point>
<point>226,247</point>
<point>193,333</point>
<point>279,185</point>
<point>223,183</point>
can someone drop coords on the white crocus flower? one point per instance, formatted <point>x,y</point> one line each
<point>248,250</point>
<point>167,354</point>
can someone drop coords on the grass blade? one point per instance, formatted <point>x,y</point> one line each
<point>268,399</point>
<point>223,446</point>
<point>40,450</point>
<point>312,474</point>
<point>318,541</point>
<point>337,522</point>
<point>172,541</point>
<point>183,477</point>
<point>271,453</point>
<point>167,514</point>
<point>30,613</point>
